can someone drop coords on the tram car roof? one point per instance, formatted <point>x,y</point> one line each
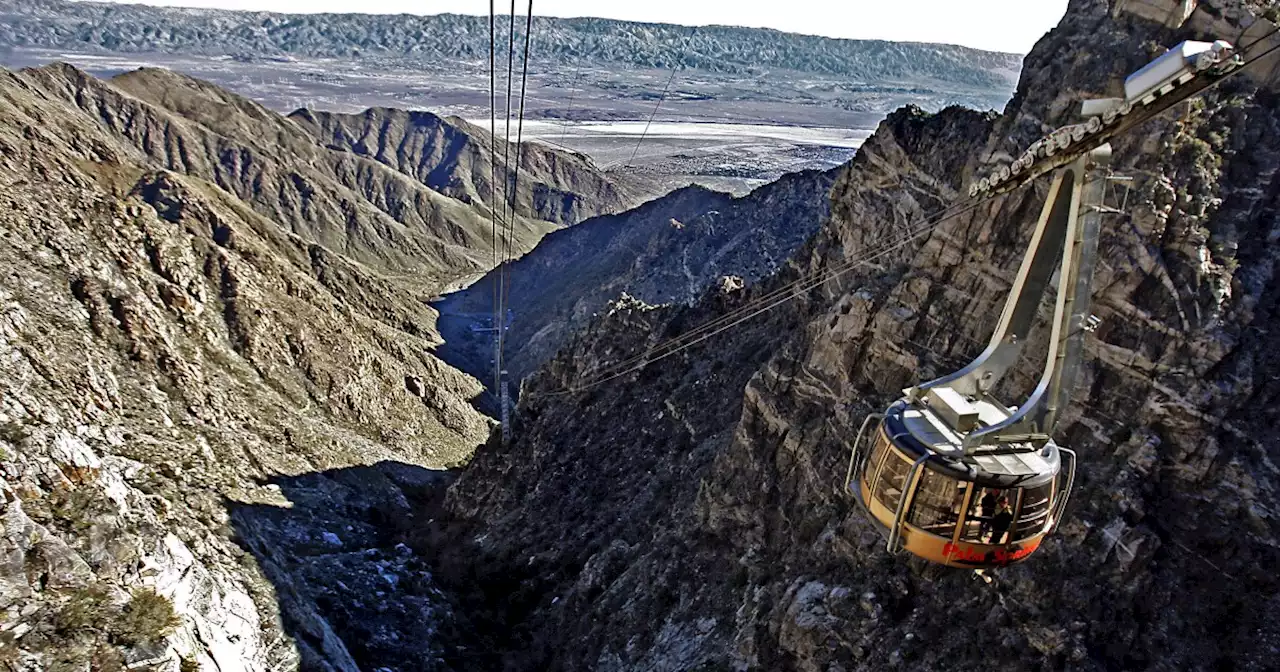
<point>918,429</point>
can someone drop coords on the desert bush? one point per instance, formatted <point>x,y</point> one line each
<point>149,616</point>
<point>89,610</point>
<point>146,618</point>
<point>14,433</point>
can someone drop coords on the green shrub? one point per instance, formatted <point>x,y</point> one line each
<point>148,617</point>
<point>107,659</point>
<point>76,509</point>
<point>89,610</point>
<point>78,657</point>
<point>14,433</point>
<point>9,657</point>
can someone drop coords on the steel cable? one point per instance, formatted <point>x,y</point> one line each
<point>806,283</point>
<point>493,172</point>
<point>662,98</point>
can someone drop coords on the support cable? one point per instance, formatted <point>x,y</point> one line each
<point>753,308</point>
<point>714,325</point>
<point>653,114</point>
<point>500,321</point>
<point>493,176</point>
<point>573,92</point>
<point>806,283</point>
<point>515,180</point>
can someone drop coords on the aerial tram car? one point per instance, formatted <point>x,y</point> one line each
<point>949,473</point>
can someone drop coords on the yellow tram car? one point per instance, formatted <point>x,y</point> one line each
<point>951,475</point>
<point>943,508</point>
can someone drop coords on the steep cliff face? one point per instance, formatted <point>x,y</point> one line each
<point>689,515</point>
<point>666,251</point>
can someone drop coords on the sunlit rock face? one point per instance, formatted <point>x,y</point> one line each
<point>1170,13</point>
<point>689,515</point>
<point>207,418</point>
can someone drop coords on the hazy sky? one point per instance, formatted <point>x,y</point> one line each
<point>1001,25</point>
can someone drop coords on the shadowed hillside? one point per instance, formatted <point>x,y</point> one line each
<point>670,250</point>
<point>691,514</point>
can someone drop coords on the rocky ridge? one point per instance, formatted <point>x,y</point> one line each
<point>457,159</point>
<point>667,251</point>
<point>218,389</point>
<point>431,40</point>
<point>689,516</point>
<point>374,213</point>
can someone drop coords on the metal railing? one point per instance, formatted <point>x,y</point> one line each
<point>1060,507</point>
<point>907,489</point>
<point>855,466</point>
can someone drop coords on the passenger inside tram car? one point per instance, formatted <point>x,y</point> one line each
<point>982,508</point>
<point>1000,522</point>
<point>989,501</point>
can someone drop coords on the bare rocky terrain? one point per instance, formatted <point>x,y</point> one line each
<point>667,251</point>
<point>344,197</point>
<point>583,73</point>
<point>444,40</point>
<point>689,515</point>
<point>224,420</point>
<point>456,159</point>
<point>217,373</point>
<point>228,440</point>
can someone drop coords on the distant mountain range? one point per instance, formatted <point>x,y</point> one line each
<point>451,39</point>
<point>398,191</point>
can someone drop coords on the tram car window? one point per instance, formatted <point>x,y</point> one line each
<point>1033,513</point>
<point>893,476</point>
<point>932,509</point>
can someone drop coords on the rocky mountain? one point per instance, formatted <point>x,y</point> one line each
<point>223,426</point>
<point>690,516</point>
<point>457,159</point>
<point>432,40</point>
<point>667,251</point>
<point>374,213</point>
<point>218,381</point>
<point>167,351</point>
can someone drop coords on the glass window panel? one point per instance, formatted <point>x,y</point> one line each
<point>983,511</point>
<point>936,505</point>
<point>893,476</point>
<point>1037,503</point>
<point>878,452</point>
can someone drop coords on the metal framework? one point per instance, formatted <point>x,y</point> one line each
<point>1065,240</point>
<point>955,428</point>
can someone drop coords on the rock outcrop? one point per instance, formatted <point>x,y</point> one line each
<point>458,159</point>
<point>689,515</point>
<point>348,202</point>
